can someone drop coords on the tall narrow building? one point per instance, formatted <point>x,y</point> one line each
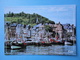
<point>37,21</point>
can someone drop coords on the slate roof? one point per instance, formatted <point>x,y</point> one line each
<point>19,25</point>
<point>14,24</point>
<point>37,26</point>
<point>67,26</point>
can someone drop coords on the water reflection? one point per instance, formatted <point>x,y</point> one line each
<point>44,50</point>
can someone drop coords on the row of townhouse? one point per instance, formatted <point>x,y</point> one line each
<point>59,31</point>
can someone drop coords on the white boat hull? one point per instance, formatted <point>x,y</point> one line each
<point>67,43</point>
<point>15,47</point>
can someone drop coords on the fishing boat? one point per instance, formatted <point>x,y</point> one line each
<point>69,42</point>
<point>18,45</point>
<point>59,42</point>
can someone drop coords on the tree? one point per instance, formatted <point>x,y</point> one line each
<point>26,18</point>
<point>19,21</point>
<point>48,28</point>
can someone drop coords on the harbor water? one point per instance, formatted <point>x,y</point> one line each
<point>44,50</point>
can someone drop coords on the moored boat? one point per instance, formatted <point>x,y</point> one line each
<point>59,42</point>
<point>18,45</point>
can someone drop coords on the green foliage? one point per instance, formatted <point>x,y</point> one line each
<point>48,28</point>
<point>23,18</point>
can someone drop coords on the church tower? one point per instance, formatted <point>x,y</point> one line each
<point>37,21</point>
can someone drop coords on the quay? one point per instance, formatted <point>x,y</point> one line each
<point>46,34</point>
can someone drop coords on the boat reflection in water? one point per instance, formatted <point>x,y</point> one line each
<point>25,40</point>
<point>44,50</point>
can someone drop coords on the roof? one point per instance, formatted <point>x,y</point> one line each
<point>67,26</point>
<point>14,24</point>
<point>19,25</point>
<point>37,25</point>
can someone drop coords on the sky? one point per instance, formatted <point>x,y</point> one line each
<point>57,13</point>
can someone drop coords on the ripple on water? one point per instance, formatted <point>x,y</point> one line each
<point>44,50</point>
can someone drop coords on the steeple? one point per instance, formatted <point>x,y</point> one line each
<point>59,22</point>
<point>37,21</point>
